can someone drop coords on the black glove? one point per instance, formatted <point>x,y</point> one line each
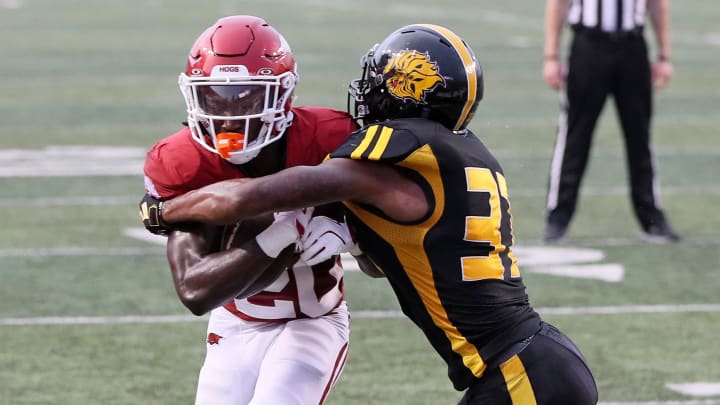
<point>151,215</point>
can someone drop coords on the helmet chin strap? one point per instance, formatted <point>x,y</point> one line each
<point>242,158</point>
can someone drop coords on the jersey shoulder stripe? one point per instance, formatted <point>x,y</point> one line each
<point>379,142</point>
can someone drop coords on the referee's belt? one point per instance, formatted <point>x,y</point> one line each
<point>596,33</point>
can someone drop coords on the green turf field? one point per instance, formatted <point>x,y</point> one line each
<point>88,314</point>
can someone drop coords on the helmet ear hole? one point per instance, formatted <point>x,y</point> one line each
<point>288,82</point>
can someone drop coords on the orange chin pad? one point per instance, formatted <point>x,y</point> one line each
<point>228,142</point>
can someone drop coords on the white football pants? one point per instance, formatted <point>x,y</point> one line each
<point>270,363</point>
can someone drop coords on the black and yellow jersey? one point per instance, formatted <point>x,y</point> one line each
<point>453,271</point>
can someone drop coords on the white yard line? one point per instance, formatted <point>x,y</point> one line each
<point>83,161</point>
<point>695,389</point>
<point>619,191</point>
<point>99,320</point>
<point>629,309</point>
<point>68,201</point>
<point>373,314</point>
<point>72,161</point>
<point>518,192</point>
<point>708,240</point>
<point>80,251</point>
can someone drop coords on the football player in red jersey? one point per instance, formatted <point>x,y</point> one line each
<point>287,343</point>
<point>429,205</point>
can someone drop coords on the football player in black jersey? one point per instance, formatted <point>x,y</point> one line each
<point>429,206</point>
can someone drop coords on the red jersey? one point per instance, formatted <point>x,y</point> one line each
<point>178,164</point>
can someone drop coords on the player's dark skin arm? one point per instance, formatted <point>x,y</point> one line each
<point>206,278</point>
<point>376,184</point>
<point>382,186</point>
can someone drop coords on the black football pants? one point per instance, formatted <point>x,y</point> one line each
<point>600,66</point>
<point>550,370</point>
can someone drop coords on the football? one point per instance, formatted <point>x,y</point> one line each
<point>234,236</point>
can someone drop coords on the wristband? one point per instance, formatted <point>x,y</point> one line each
<point>551,57</point>
<point>164,226</point>
<point>276,237</point>
<point>663,58</point>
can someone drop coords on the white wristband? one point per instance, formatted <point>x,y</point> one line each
<point>276,237</point>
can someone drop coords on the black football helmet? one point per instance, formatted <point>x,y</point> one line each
<point>420,70</point>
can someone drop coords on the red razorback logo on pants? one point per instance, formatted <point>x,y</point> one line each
<point>213,338</point>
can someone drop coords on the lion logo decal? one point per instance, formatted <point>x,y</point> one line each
<point>412,75</point>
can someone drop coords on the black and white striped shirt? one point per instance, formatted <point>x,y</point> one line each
<point>608,15</point>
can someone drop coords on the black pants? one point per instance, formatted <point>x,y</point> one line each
<point>550,370</point>
<point>600,66</point>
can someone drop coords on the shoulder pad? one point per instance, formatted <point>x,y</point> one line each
<point>379,142</point>
<point>175,165</point>
<point>315,132</point>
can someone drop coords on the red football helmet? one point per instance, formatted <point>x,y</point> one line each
<point>238,87</point>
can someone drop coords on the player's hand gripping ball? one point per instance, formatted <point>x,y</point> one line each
<point>323,239</point>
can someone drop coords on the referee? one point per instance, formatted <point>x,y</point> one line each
<point>608,56</point>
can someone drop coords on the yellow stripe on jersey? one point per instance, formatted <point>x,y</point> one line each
<point>514,269</point>
<point>518,382</point>
<point>381,143</point>
<point>416,264</point>
<point>365,143</point>
<point>470,69</point>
